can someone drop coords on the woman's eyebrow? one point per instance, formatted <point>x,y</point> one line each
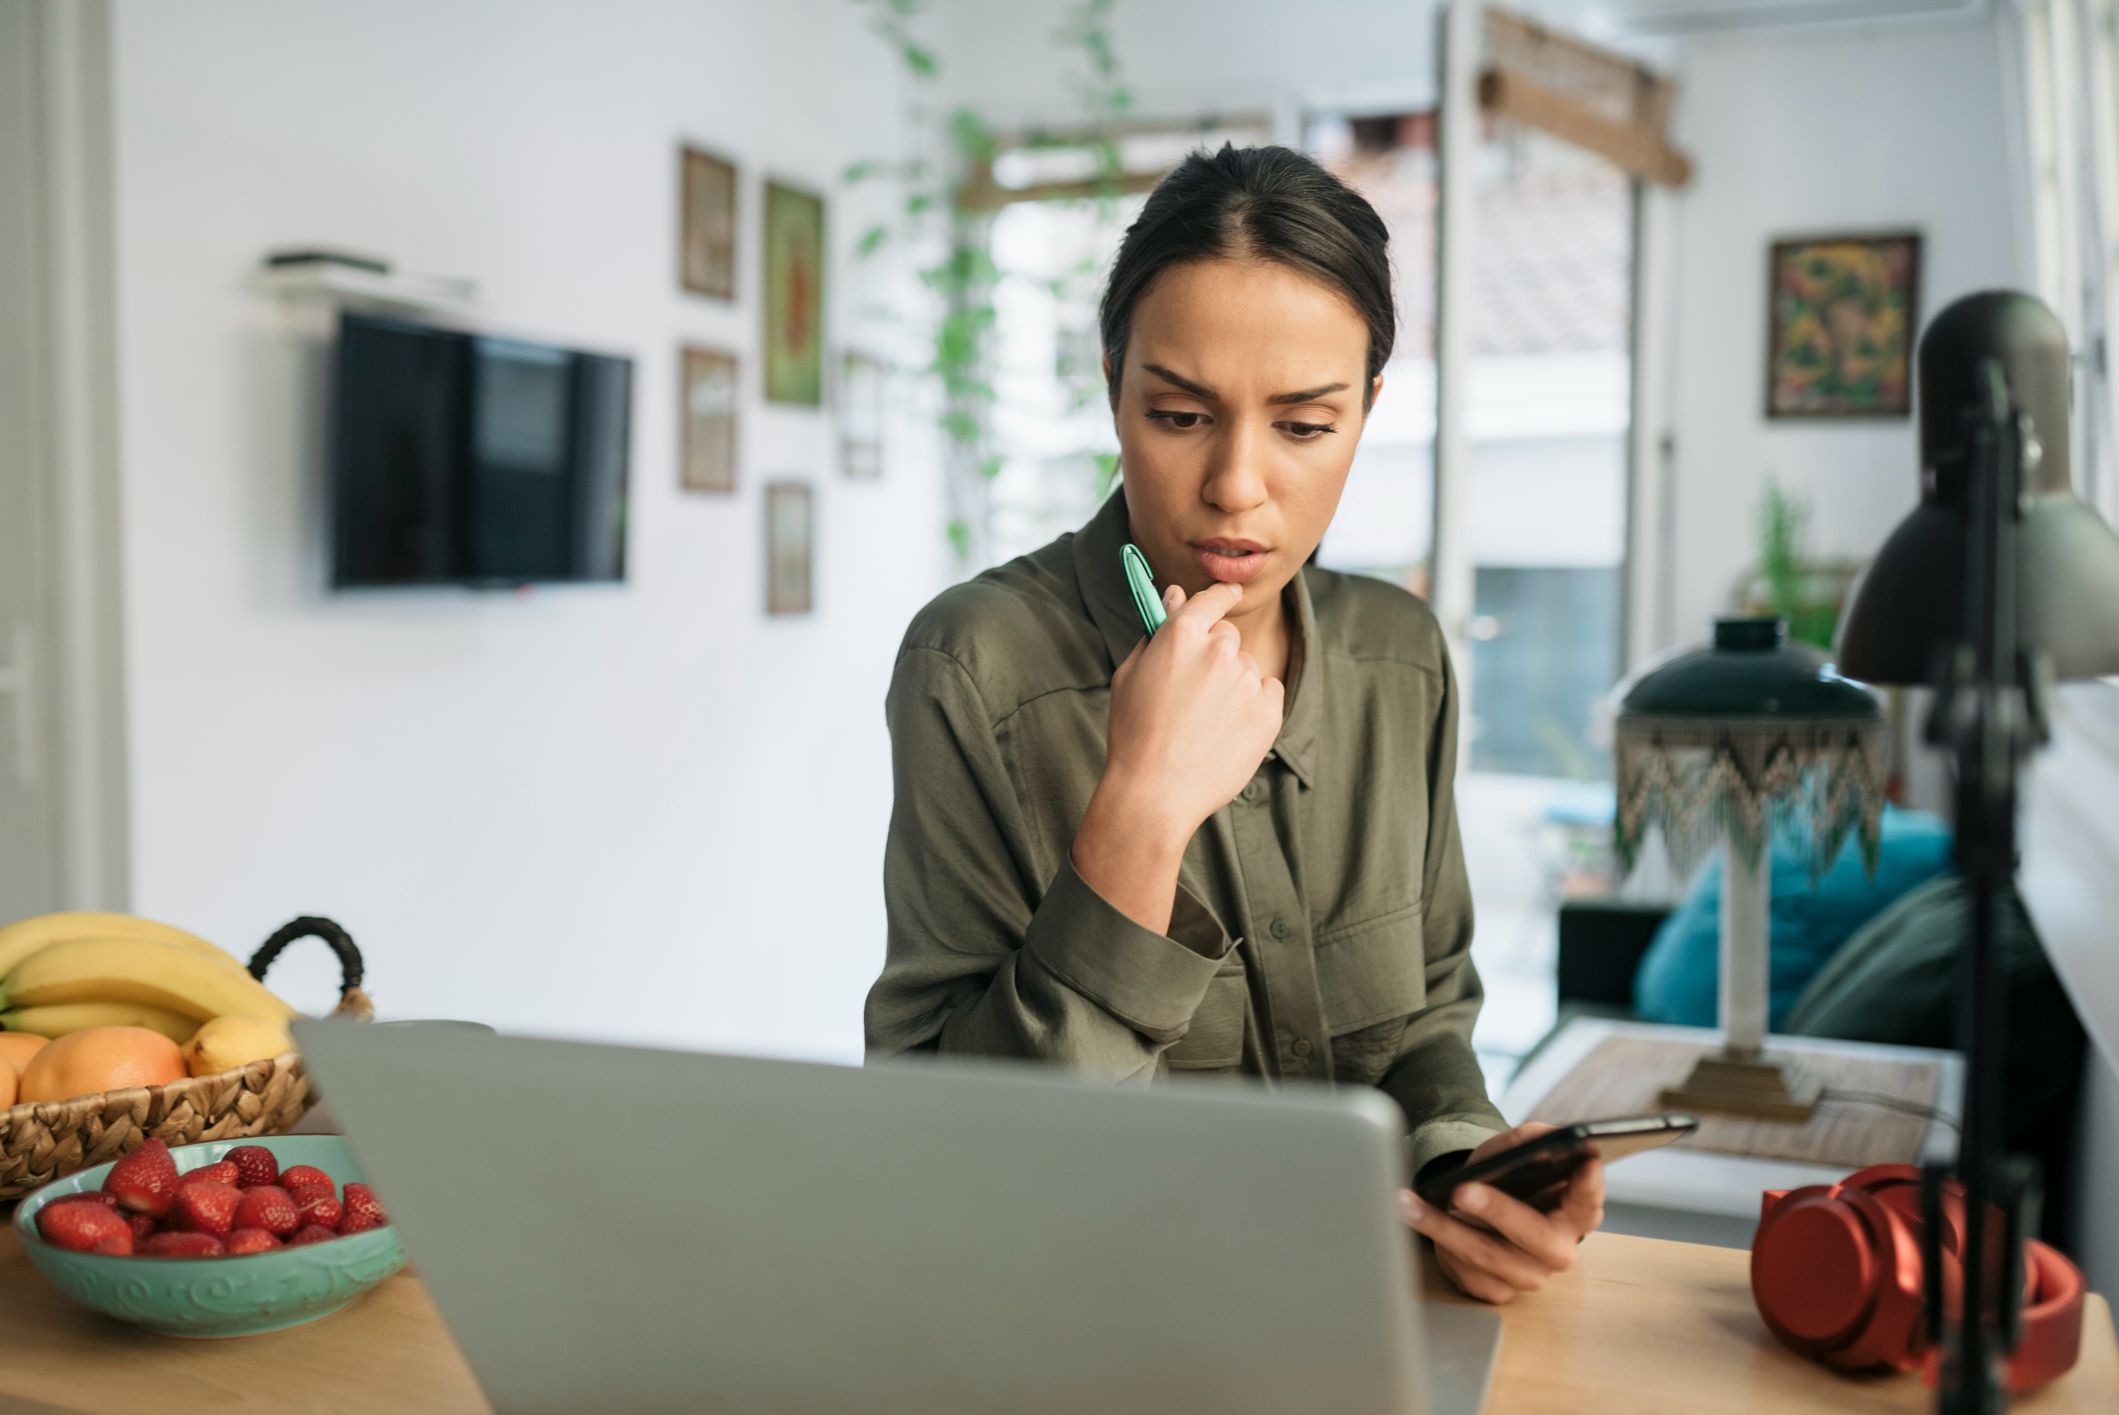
<point>1200,390</point>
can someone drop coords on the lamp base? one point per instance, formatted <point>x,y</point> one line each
<point>1753,1085</point>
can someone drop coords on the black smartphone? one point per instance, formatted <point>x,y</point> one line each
<point>1538,1170</point>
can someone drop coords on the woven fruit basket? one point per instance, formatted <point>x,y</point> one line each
<point>45,1140</point>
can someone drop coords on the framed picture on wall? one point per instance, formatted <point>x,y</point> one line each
<point>1843,312</point>
<point>861,416</point>
<point>790,545</point>
<point>794,295</point>
<point>706,403</point>
<point>706,236</point>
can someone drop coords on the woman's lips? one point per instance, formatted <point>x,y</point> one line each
<point>1230,569</point>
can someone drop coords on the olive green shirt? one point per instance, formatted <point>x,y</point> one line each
<point>1322,926</point>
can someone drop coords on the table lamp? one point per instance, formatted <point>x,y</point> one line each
<point>1747,739</point>
<point>1998,582</point>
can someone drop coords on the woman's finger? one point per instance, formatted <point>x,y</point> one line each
<point>1207,607</point>
<point>1551,1244</point>
<point>1469,1246</point>
<point>1582,1212</point>
<point>1475,1282</point>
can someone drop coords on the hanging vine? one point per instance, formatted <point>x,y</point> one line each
<point>952,236</point>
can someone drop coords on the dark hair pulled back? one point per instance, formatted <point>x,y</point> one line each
<point>1256,203</point>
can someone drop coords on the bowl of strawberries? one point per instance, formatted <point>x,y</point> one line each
<point>225,1238</point>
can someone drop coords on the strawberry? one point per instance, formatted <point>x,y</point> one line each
<point>361,1200</point>
<point>254,1165</point>
<point>354,1223</point>
<point>250,1240</point>
<point>182,1245</point>
<point>145,1181</point>
<point>296,1176</point>
<point>317,1204</point>
<point>219,1173</point>
<point>313,1233</point>
<point>206,1208</point>
<point>268,1207</point>
<point>143,1226</point>
<point>89,1196</point>
<point>84,1228</point>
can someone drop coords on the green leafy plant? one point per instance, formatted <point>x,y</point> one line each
<point>1790,583</point>
<point>951,236</point>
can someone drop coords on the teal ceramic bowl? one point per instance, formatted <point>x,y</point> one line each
<point>241,1296</point>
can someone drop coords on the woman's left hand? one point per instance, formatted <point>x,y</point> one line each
<point>1519,1247</point>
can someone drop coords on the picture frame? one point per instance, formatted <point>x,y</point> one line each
<point>1842,313</point>
<point>790,547</point>
<point>708,392</point>
<point>706,223</point>
<point>860,401</point>
<point>794,295</point>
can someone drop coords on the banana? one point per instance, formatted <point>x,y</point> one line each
<point>59,1018</point>
<point>25,936</point>
<point>140,970</point>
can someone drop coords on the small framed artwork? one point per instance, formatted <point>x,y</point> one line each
<point>707,406</point>
<point>861,417</point>
<point>1843,312</point>
<point>794,296</point>
<point>790,544</point>
<point>706,237</point>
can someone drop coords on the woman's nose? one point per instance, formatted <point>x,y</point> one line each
<point>1235,479</point>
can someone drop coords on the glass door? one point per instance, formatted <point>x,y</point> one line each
<point>1539,521</point>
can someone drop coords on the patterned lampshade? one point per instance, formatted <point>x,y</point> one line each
<point>1744,738</point>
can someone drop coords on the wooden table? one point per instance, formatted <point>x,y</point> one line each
<point>1704,1196</point>
<point>1640,1325</point>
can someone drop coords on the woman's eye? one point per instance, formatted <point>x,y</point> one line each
<point>1179,421</point>
<point>1170,417</point>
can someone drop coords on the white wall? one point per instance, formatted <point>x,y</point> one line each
<point>645,812</point>
<point>1191,57</point>
<point>1813,131</point>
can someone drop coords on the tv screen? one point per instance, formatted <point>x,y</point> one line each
<point>466,459</point>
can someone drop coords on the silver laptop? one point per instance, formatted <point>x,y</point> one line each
<point>619,1229</point>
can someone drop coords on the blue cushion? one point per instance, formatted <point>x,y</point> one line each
<point>1680,974</point>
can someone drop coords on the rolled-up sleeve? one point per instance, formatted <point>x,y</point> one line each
<point>1436,1078</point>
<point>980,957</point>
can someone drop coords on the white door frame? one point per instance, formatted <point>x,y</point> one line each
<point>74,457</point>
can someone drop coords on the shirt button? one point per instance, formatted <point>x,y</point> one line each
<point>1254,791</point>
<point>1279,928</point>
<point>1301,1047</point>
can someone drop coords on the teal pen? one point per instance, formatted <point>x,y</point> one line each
<point>1141,580</point>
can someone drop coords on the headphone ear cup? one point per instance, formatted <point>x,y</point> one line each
<point>1836,1274</point>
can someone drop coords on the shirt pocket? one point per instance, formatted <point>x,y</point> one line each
<point>1214,1041</point>
<point>1372,978</point>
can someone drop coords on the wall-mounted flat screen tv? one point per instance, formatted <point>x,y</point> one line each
<point>466,459</point>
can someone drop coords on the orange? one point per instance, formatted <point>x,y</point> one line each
<point>16,1048</point>
<point>101,1059</point>
<point>7,1086</point>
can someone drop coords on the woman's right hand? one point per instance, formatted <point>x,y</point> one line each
<point>1192,714</point>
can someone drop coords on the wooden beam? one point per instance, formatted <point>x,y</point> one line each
<point>1638,149</point>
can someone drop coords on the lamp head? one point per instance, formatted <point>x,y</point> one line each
<point>1909,603</point>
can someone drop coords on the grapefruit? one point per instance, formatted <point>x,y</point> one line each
<point>16,1048</point>
<point>100,1059</point>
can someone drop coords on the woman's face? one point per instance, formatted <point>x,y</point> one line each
<point>1238,411</point>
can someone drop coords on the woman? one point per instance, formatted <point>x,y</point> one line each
<point>1231,847</point>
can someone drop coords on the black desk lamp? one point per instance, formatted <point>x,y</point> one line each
<point>2000,581</point>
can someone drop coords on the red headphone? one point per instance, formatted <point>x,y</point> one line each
<point>1836,1272</point>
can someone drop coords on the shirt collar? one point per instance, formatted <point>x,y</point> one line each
<point>1110,604</point>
